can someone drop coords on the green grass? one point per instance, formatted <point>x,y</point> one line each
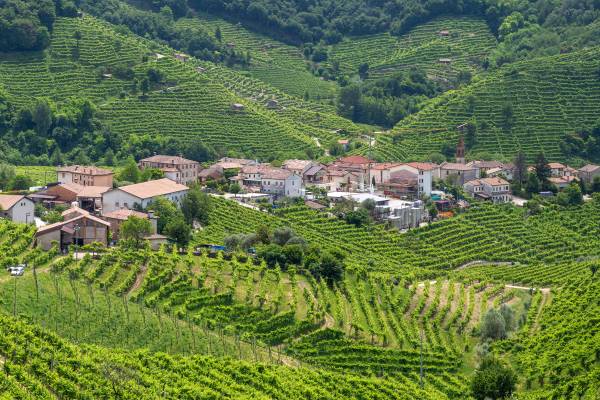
<point>39,174</point>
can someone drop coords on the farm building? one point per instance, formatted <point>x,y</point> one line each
<point>143,194</point>
<point>79,227</point>
<point>16,208</point>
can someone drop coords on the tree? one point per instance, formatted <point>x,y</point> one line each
<point>199,151</point>
<point>348,101</point>
<point>134,230</point>
<point>542,170</point>
<point>20,182</point>
<point>358,217</point>
<point>471,135</point>
<point>166,211</point>
<point>596,185</point>
<point>294,254</point>
<point>7,174</point>
<point>145,86</point>
<point>493,380</point>
<point>509,316</point>
<point>196,206</point>
<point>282,235</point>
<point>493,326</point>
<point>41,116</point>
<point>533,184</point>
<point>130,172</point>
<point>234,188</point>
<point>363,71</point>
<point>574,195</point>
<point>272,254</point>
<point>520,171</point>
<point>264,234</point>
<point>150,174</point>
<point>218,34</point>
<point>508,118</point>
<point>179,231</point>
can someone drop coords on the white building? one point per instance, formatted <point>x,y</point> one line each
<point>495,189</point>
<point>425,173</point>
<point>281,182</point>
<point>142,194</point>
<point>17,208</point>
<point>178,169</point>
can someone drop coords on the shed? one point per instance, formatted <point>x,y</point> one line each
<point>182,57</point>
<point>272,104</point>
<point>237,107</point>
<point>444,33</point>
<point>445,61</point>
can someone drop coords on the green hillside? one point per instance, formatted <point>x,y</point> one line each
<point>188,105</point>
<point>468,42</point>
<point>548,98</point>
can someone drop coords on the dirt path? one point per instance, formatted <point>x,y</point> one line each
<point>545,291</point>
<point>138,280</point>
<point>483,262</point>
<point>544,303</point>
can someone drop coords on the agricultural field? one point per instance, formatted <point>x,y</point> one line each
<point>277,64</point>
<point>39,174</point>
<point>486,233</point>
<point>190,105</point>
<point>527,106</point>
<point>466,45</point>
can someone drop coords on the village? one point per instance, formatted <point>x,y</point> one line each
<point>402,195</point>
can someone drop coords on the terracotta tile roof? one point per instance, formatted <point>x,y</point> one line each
<point>555,165</point>
<point>455,166</point>
<point>485,164</point>
<point>124,214</point>
<point>59,225</point>
<point>174,160</point>
<point>313,170</point>
<point>93,191</point>
<point>159,187</point>
<point>296,164</point>
<point>590,168</point>
<point>276,173</point>
<point>7,201</point>
<point>354,160</point>
<point>384,166</point>
<point>72,187</point>
<point>424,166</point>
<point>494,181</point>
<point>85,170</point>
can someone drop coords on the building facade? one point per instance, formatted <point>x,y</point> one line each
<point>85,176</point>
<point>495,189</point>
<point>178,169</point>
<point>142,195</point>
<point>17,208</point>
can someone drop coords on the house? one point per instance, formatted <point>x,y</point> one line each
<point>280,182</point>
<point>561,182</point>
<point>424,174</point>
<point>143,194</point>
<point>341,180</point>
<point>458,172</point>
<point>117,217</point>
<point>85,175</point>
<point>156,241</point>
<point>182,57</point>
<point>495,189</point>
<point>214,172</point>
<point>402,184</point>
<point>483,167</point>
<point>315,175</point>
<point>273,104</point>
<point>78,228</point>
<point>234,163</point>
<point>445,61</point>
<point>17,208</point>
<point>176,168</point>
<point>90,197</point>
<point>588,172</point>
<point>557,169</point>
<point>381,172</point>
<point>237,107</point>
<point>506,171</point>
<point>357,165</point>
<point>299,167</point>
<point>444,33</point>
<point>345,143</point>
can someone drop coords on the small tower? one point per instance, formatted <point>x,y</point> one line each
<point>460,151</point>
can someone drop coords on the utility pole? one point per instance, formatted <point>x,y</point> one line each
<point>76,228</point>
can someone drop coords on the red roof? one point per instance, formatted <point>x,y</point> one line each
<point>424,166</point>
<point>354,160</point>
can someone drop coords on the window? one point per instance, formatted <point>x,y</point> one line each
<point>116,204</point>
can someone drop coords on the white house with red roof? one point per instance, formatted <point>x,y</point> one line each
<point>142,194</point>
<point>495,189</point>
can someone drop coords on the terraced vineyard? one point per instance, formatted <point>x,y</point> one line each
<point>279,65</point>
<point>40,365</point>
<point>191,104</point>
<point>486,233</point>
<point>468,42</point>
<point>549,98</point>
<point>558,356</point>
